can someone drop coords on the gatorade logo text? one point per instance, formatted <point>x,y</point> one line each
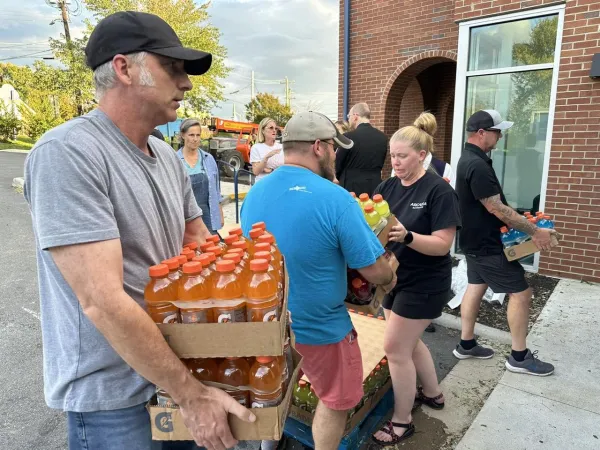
<point>164,422</point>
<point>419,205</point>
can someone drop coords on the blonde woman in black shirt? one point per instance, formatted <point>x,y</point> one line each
<point>427,208</point>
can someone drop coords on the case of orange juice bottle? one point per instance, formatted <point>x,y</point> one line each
<point>235,372</point>
<point>194,247</point>
<point>262,301</point>
<point>228,293</point>
<point>159,294</point>
<point>217,251</point>
<point>203,369</point>
<point>194,295</point>
<point>265,383</point>
<point>268,256</point>
<point>230,240</point>
<point>240,272</point>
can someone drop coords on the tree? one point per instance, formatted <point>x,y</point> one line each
<point>190,22</point>
<point>9,122</point>
<point>19,77</point>
<point>268,105</point>
<point>42,112</point>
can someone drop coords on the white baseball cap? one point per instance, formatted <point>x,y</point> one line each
<point>308,126</point>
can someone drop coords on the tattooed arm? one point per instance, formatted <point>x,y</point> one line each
<point>540,236</point>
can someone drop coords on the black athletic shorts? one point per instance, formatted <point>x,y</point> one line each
<point>416,305</point>
<point>501,275</point>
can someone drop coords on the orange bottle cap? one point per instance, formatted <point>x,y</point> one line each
<point>256,232</point>
<point>240,244</point>
<point>203,259</point>
<point>353,194</point>
<point>237,231</point>
<point>262,247</point>
<point>231,239</point>
<point>302,383</point>
<point>264,255</point>
<point>264,359</point>
<point>363,197</point>
<point>259,265</point>
<point>504,230</point>
<point>538,213</point>
<point>360,313</point>
<point>160,270</point>
<point>204,247</point>
<point>357,283</point>
<point>192,267</point>
<point>378,198</point>
<point>182,259</point>
<point>192,245</point>
<point>377,367</point>
<point>235,257</point>
<point>370,315</point>
<point>547,217</point>
<point>266,237</point>
<point>369,208</point>
<point>189,254</point>
<point>381,318</point>
<point>260,225</point>
<point>215,250</point>
<point>214,239</point>
<point>383,362</point>
<point>226,265</point>
<point>237,250</point>
<point>211,257</point>
<point>172,263</point>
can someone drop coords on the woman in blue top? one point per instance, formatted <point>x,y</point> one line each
<point>204,174</point>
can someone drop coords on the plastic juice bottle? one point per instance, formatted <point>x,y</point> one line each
<point>301,393</point>
<point>216,240</point>
<point>173,265</point>
<point>234,372</point>
<point>189,254</point>
<point>313,401</point>
<point>369,384</point>
<point>228,293</point>
<point>272,271</point>
<point>230,240</point>
<point>361,290</point>
<point>353,194</point>
<point>212,259</point>
<point>265,381</point>
<point>546,222</point>
<point>255,233</point>
<point>262,301</point>
<point>270,239</point>
<point>373,218</point>
<point>203,369</point>
<point>204,247</point>
<point>506,237</point>
<point>243,262</point>
<point>194,247</point>
<point>209,275</point>
<point>239,233</point>
<point>194,288</point>
<point>239,270</point>
<point>365,200</point>
<point>378,377</point>
<point>381,206</point>
<point>159,294</point>
<point>243,245</point>
<point>266,247</point>
<point>217,251</point>
<point>260,225</point>
<point>385,370</point>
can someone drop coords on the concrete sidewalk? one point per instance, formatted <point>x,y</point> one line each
<point>561,411</point>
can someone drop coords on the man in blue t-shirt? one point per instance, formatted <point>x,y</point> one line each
<point>320,229</point>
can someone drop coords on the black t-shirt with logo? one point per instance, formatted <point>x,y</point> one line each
<point>428,205</point>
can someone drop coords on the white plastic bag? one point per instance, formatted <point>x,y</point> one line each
<point>459,286</point>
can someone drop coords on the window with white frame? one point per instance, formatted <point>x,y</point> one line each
<point>510,63</point>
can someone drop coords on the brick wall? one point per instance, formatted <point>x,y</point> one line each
<point>393,41</point>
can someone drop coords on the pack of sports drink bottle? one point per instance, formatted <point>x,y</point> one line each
<point>511,237</point>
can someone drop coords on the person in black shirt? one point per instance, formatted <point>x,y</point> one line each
<point>483,203</point>
<point>427,208</point>
<point>359,169</point>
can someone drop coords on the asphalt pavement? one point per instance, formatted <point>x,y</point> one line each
<point>26,423</point>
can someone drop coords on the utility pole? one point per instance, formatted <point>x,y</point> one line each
<point>62,4</point>
<point>288,92</point>
<point>252,93</point>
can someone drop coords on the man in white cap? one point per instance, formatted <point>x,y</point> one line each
<point>484,207</point>
<point>320,230</point>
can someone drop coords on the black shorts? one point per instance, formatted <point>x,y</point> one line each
<point>416,305</point>
<point>501,275</point>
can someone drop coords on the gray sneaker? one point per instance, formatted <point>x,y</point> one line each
<point>477,352</point>
<point>531,365</point>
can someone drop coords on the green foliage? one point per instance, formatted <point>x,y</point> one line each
<point>9,122</point>
<point>20,77</point>
<point>268,105</point>
<point>41,113</point>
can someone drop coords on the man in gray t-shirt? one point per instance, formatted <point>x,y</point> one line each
<point>107,202</point>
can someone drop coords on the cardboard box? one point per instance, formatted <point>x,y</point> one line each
<point>167,423</point>
<point>525,249</point>
<point>383,235</point>
<point>218,340</point>
<point>370,338</point>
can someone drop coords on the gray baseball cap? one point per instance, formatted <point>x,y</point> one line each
<point>487,119</point>
<point>308,126</point>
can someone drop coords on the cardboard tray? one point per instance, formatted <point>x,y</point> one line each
<point>525,249</point>
<point>218,340</point>
<point>167,423</point>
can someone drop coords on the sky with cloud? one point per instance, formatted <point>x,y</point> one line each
<point>275,38</point>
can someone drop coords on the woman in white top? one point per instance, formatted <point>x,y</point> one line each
<point>266,155</point>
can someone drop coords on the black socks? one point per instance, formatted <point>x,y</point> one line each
<point>519,355</point>
<point>468,345</point>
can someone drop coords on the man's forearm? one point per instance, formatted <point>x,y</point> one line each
<point>195,231</point>
<point>135,337</point>
<point>378,273</point>
<point>508,215</point>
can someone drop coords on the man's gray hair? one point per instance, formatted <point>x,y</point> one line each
<point>362,110</point>
<point>105,76</point>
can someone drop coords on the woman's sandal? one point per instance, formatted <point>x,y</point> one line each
<point>432,402</point>
<point>388,428</point>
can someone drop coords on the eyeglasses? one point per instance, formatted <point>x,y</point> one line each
<point>333,144</point>
<point>270,128</point>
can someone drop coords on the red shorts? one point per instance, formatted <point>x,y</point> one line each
<point>335,372</point>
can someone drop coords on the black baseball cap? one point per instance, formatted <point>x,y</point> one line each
<point>128,32</point>
<point>487,119</point>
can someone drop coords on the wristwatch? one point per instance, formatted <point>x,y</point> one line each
<point>408,238</point>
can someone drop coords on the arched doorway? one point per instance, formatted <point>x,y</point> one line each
<point>423,83</point>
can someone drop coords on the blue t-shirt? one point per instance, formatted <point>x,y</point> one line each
<point>320,229</point>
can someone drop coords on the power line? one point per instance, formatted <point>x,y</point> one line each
<point>25,56</point>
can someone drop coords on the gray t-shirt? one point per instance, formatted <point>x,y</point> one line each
<point>86,182</point>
